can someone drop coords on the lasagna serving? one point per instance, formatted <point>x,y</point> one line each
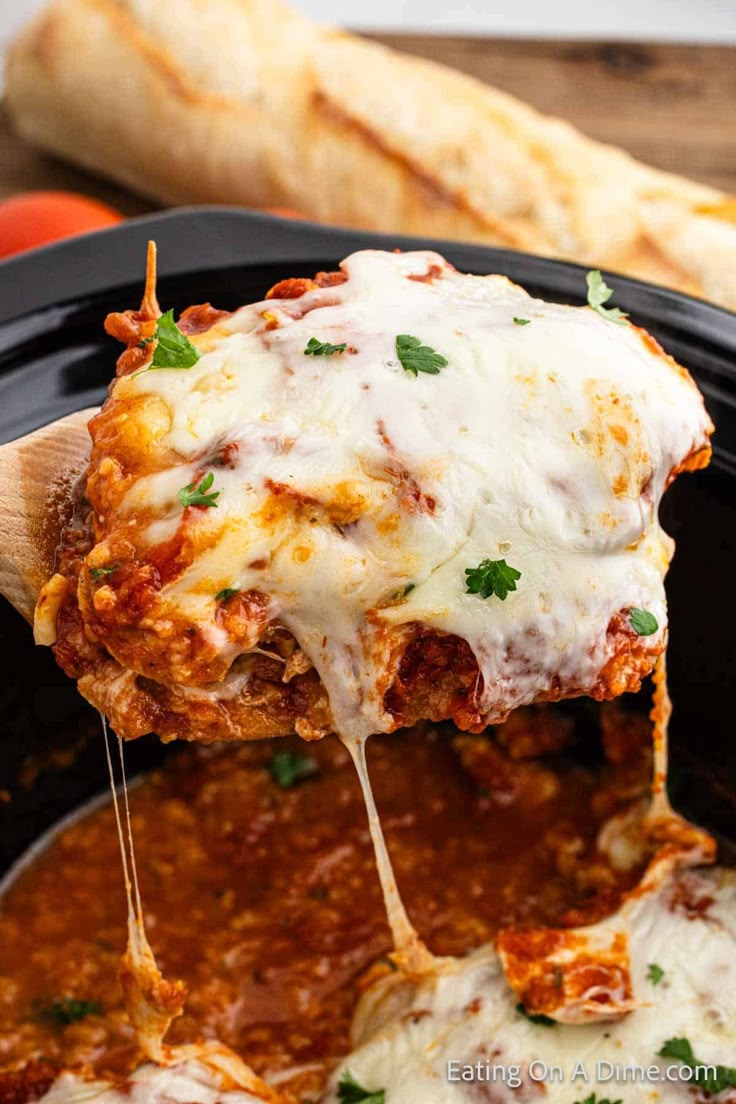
<point>394,492</point>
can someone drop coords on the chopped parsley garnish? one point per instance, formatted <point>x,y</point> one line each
<point>535,1017</point>
<point>288,768</point>
<point>643,622</point>
<point>593,1099</point>
<point>198,496</point>
<point>522,321</point>
<point>226,593</point>
<point>655,973</point>
<point>173,348</point>
<point>680,1049</point>
<point>492,577</point>
<point>350,1092</point>
<point>416,358</point>
<point>400,594</point>
<point>315,347</point>
<point>711,1077</point>
<point>598,294</point>
<point>97,573</point>
<point>68,1010</point>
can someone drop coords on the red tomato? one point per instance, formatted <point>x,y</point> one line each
<point>35,218</point>
<point>286,212</point>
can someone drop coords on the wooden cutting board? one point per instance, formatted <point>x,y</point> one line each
<point>673,106</point>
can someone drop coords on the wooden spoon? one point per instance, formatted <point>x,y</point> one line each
<point>37,474</point>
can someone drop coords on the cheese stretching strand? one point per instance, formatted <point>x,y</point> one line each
<point>660,717</point>
<point>661,826</point>
<point>410,952</point>
<point>152,1003</point>
<point>391,493</point>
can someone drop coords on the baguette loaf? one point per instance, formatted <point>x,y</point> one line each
<point>248,102</point>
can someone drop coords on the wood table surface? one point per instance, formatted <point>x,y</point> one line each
<point>671,105</point>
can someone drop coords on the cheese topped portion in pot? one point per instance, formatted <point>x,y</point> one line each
<point>458,1035</point>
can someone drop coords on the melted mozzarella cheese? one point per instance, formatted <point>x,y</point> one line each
<point>190,1082</point>
<point>464,1012</point>
<point>548,445</point>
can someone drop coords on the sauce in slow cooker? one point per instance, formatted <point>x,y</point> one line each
<point>265,900</point>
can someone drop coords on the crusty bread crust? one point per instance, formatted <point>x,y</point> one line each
<point>248,102</point>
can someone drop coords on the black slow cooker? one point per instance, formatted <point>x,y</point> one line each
<point>56,358</point>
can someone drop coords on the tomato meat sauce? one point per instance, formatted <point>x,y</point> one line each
<point>260,889</point>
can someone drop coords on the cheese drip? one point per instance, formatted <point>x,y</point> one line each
<point>151,1001</point>
<point>410,952</point>
<point>660,717</point>
<point>662,826</point>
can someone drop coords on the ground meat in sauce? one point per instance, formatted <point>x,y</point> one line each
<point>266,900</point>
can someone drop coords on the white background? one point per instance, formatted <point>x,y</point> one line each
<point>683,20</point>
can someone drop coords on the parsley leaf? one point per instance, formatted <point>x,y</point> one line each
<point>323,348</point>
<point>643,622</point>
<point>593,1099</point>
<point>655,973</point>
<point>680,1049</point>
<point>492,577</point>
<point>68,1010</point>
<point>197,496</point>
<point>711,1078</point>
<point>598,294</point>
<point>173,348</point>
<point>536,1018</point>
<point>226,593</point>
<point>350,1092</point>
<point>288,768</point>
<point>416,358</point>
<point>98,572</point>
<point>522,321</point>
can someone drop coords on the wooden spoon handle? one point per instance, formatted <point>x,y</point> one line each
<point>37,473</point>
